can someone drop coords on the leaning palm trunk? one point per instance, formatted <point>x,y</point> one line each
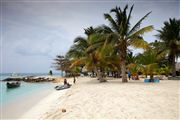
<point>123,70</point>
<point>151,77</point>
<point>99,75</point>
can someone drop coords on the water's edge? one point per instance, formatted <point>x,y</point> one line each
<point>16,108</point>
<point>17,101</point>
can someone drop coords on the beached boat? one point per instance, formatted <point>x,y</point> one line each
<point>62,87</point>
<point>13,84</point>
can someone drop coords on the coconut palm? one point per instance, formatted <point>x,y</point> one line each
<point>164,70</point>
<point>134,68</point>
<point>121,35</point>
<point>170,35</point>
<point>149,62</point>
<point>86,54</point>
<point>130,58</point>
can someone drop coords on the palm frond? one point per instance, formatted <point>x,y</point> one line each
<point>79,39</point>
<point>129,16</point>
<point>112,22</point>
<point>78,62</point>
<point>104,29</point>
<point>141,31</point>
<point>138,42</point>
<point>137,25</point>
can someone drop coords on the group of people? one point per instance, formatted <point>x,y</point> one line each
<point>74,81</point>
<point>132,77</point>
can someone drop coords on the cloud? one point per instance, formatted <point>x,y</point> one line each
<point>28,48</point>
<point>35,32</point>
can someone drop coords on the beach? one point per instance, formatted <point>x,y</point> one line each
<point>89,99</point>
<point>125,56</point>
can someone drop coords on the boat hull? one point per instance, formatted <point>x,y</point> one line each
<point>13,84</point>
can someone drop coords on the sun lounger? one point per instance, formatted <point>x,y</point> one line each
<point>147,80</point>
<point>156,80</point>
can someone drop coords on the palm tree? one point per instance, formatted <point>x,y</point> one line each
<point>134,68</point>
<point>170,35</point>
<point>62,63</point>
<point>84,53</point>
<point>130,58</point>
<point>121,35</point>
<point>164,70</point>
<point>148,62</point>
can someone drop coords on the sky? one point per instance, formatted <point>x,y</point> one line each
<point>33,32</point>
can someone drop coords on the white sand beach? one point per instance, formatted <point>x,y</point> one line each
<point>89,99</point>
<point>45,105</point>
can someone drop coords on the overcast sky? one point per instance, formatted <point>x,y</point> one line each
<point>34,32</point>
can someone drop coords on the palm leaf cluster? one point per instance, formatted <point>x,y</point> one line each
<point>170,36</point>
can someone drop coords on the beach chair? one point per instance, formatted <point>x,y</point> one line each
<point>156,80</point>
<point>146,80</point>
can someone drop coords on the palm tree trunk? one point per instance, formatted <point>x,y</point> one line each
<point>101,79</point>
<point>173,66</point>
<point>93,73</point>
<point>99,75</point>
<point>123,70</point>
<point>146,75</point>
<point>151,77</point>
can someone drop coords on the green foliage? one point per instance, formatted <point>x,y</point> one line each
<point>134,68</point>
<point>170,36</point>
<point>149,62</point>
<point>62,63</point>
<point>164,70</point>
<point>130,58</point>
<point>121,35</point>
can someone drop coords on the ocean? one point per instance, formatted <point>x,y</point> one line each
<point>26,89</point>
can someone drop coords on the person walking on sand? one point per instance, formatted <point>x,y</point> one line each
<point>129,75</point>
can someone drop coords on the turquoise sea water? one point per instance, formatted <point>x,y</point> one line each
<point>9,95</point>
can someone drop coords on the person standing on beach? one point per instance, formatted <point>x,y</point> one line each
<point>74,81</point>
<point>129,75</point>
<point>50,72</point>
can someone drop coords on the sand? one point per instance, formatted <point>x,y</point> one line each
<point>89,99</point>
<point>43,106</point>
